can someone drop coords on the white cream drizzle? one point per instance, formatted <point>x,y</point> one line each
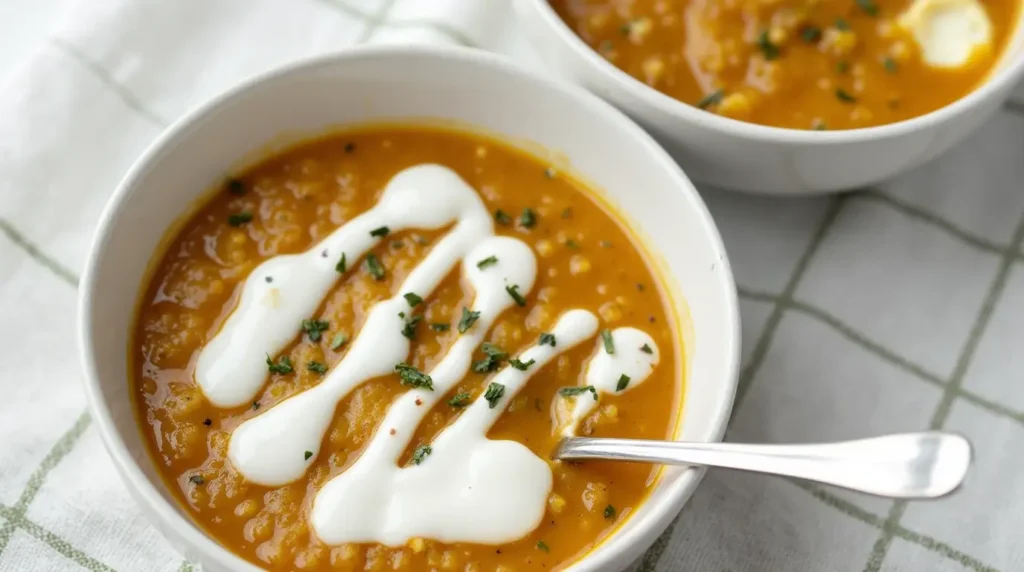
<point>469,489</point>
<point>604,372</point>
<point>269,314</point>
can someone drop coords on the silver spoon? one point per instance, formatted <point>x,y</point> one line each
<point>905,465</point>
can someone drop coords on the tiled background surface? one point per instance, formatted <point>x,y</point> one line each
<point>895,308</point>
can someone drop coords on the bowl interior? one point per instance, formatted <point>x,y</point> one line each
<point>400,84</point>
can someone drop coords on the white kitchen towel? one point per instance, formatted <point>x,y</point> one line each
<point>897,308</point>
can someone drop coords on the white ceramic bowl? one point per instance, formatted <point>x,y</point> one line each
<point>469,88</point>
<point>759,159</point>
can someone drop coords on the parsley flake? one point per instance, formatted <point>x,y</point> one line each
<point>489,261</point>
<point>547,339</point>
<point>890,65</point>
<point>494,393</point>
<point>380,232</point>
<point>440,327</point>
<point>238,219</point>
<point>521,365</point>
<point>409,329</point>
<point>528,219</point>
<point>842,25</point>
<point>235,186</point>
<point>609,512</point>
<point>495,356</point>
<point>373,266</point>
<point>623,382</point>
<point>315,328</point>
<point>413,377</point>
<point>467,320</point>
<point>541,545</point>
<point>769,50</point>
<point>283,365</point>
<point>646,349</point>
<point>459,399</point>
<point>713,98</point>
<point>502,217</point>
<point>421,453</point>
<point>339,339</point>
<point>845,96</point>
<point>609,343</point>
<point>513,291</point>
<point>317,367</point>
<point>868,6</point>
<point>810,34</point>
<point>341,266</point>
<point>576,390</point>
<point>196,479</point>
<point>413,299</point>
<point>307,455</point>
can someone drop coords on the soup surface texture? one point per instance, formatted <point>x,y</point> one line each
<point>803,64</point>
<point>360,353</point>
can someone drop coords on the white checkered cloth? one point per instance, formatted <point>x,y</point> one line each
<point>898,308</point>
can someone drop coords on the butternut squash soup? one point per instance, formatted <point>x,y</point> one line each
<point>360,353</point>
<point>803,64</point>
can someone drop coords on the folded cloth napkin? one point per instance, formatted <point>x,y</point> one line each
<point>897,308</point>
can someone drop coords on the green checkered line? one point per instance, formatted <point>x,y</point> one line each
<point>889,527</point>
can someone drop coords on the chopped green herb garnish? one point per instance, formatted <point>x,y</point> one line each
<point>409,329</point>
<point>818,125</point>
<point>317,367</point>
<point>413,377</point>
<point>196,479</point>
<point>315,328</point>
<point>239,219</point>
<point>609,512</point>
<point>380,231</point>
<point>307,455</point>
<point>713,98</point>
<point>283,365</point>
<point>513,291</point>
<point>646,349</point>
<point>623,382</point>
<point>494,393</point>
<point>528,219</point>
<point>769,50</point>
<point>868,6</point>
<point>502,217</point>
<point>541,545</point>
<point>521,365</point>
<point>374,267</point>
<point>567,212</point>
<point>810,34</point>
<point>459,399</point>
<point>420,453</point>
<point>842,66</point>
<point>547,339</point>
<point>339,340</point>
<point>842,24</point>
<point>576,390</point>
<point>413,299</point>
<point>605,244</point>
<point>489,261</point>
<point>467,320</point>
<point>341,266</point>
<point>235,186</point>
<point>609,343</point>
<point>440,327</point>
<point>845,96</point>
<point>890,65</point>
<point>571,243</point>
<point>605,46</point>
<point>397,244</point>
<point>495,356</point>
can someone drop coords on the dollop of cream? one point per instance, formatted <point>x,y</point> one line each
<point>949,33</point>
<point>635,355</point>
<point>286,289</point>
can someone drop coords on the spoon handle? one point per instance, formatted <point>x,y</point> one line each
<point>905,465</point>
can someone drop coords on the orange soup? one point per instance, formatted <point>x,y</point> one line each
<point>803,64</point>
<point>360,353</point>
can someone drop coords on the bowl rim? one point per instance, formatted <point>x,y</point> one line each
<point>1004,76</point>
<point>191,535</point>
